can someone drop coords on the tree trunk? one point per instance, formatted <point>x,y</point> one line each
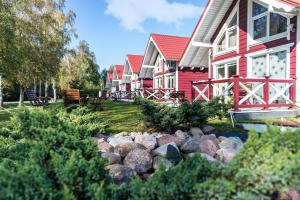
<point>54,90</point>
<point>46,91</point>
<point>1,92</point>
<point>34,86</point>
<point>21,98</point>
<point>40,89</point>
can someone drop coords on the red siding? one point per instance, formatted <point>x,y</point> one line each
<point>185,78</point>
<point>243,9</point>
<point>148,83</point>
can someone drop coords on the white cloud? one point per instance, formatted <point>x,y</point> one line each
<point>133,13</point>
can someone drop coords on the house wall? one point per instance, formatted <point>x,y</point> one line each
<point>242,43</point>
<point>185,78</point>
<point>147,83</point>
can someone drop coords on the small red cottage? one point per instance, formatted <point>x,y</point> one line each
<point>109,78</point>
<point>117,77</point>
<point>131,72</point>
<point>160,64</point>
<point>252,51</point>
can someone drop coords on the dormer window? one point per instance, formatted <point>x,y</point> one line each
<point>171,64</point>
<point>266,25</point>
<point>227,41</point>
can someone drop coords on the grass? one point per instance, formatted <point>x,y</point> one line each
<point>122,116</point>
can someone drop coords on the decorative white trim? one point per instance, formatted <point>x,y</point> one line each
<point>226,60</point>
<point>177,78</point>
<point>274,49</point>
<point>298,61</point>
<point>201,44</point>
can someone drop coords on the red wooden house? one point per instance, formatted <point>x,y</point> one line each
<point>117,77</point>
<point>252,51</point>
<point>109,78</point>
<point>160,64</point>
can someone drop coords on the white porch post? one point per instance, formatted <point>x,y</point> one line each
<point>298,61</point>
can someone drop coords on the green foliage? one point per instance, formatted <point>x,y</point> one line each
<point>218,107</point>
<point>186,115</point>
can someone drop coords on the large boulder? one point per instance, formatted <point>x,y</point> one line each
<point>208,130</point>
<point>229,148</point>
<point>104,147</point>
<point>169,151</point>
<point>158,160</point>
<point>114,141</point>
<point>124,148</point>
<point>191,145</point>
<point>148,141</point>
<point>209,144</point>
<point>122,134</point>
<point>166,139</point>
<point>182,135</point>
<point>196,132</point>
<point>121,174</point>
<point>139,160</point>
<point>113,158</point>
<point>134,134</point>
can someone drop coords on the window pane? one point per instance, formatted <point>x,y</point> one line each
<point>259,66</point>
<point>222,44</point>
<point>232,38</point>
<point>233,21</point>
<point>278,24</point>
<point>260,28</point>
<point>278,65</point>
<point>221,72</point>
<point>232,70</point>
<point>258,9</point>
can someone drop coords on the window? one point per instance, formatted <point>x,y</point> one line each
<point>170,81</point>
<point>227,70</point>
<point>171,64</point>
<point>273,65</point>
<point>228,39</point>
<point>265,24</point>
<point>158,82</point>
<point>158,64</point>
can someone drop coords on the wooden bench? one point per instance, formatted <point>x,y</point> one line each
<point>36,101</point>
<point>72,96</point>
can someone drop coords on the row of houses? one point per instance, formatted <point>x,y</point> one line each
<point>245,50</point>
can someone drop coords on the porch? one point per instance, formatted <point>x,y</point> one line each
<point>249,94</point>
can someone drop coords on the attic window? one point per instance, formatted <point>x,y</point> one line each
<point>265,24</point>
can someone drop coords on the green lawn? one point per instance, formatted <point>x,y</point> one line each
<point>122,116</point>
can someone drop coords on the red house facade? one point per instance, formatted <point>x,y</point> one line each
<point>161,65</point>
<point>109,78</point>
<point>117,77</point>
<point>251,50</point>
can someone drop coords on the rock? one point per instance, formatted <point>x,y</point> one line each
<point>104,147</point>
<point>113,158</point>
<point>148,141</point>
<point>122,134</point>
<point>226,155</point>
<point>196,132</point>
<point>157,161</point>
<point>101,136</point>
<point>221,138</point>
<point>124,148</point>
<point>139,160</point>
<point>290,195</point>
<point>145,176</point>
<point>208,130</point>
<point>231,143</point>
<point>169,151</point>
<point>208,157</point>
<point>134,134</point>
<point>119,140</point>
<point>166,139</point>
<point>121,174</point>
<point>209,144</point>
<point>182,135</point>
<point>191,145</point>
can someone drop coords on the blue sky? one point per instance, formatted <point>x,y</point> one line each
<point>114,28</point>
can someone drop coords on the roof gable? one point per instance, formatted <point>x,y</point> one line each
<point>172,47</point>
<point>118,69</point>
<point>110,75</point>
<point>135,62</point>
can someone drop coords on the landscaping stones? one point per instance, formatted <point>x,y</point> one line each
<point>124,148</point>
<point>158,160</point>
<point>166,139</point>
<point>169,151</point>
<point>114,141</point>
<point>182,135</point>
<point>196,132</point>
<point>229,148</point>
<point>121,174</point>
<point>209,144</point>
<point>139,160</point>
<point>113,158</point>
<point>147,140</point>
<point>104,147</point>
<point>208,130</point>
<point>191,145</point>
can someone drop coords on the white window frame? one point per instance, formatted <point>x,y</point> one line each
<point>267,52</point>
<point>251,19</point>
<point>225,30</point>
<point>226,62</point>
<point>167,65</point>
<point>167,76</point>
<point>156,83</point>
<point>159,63</point>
